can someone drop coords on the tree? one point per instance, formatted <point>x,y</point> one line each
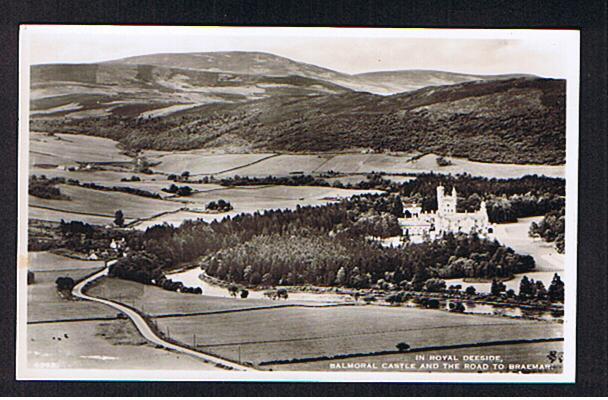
<point>430,303</point>
<point>30,278</point>
<point>64,283</point>
<point>541,291</point>
<point>341,277</point>
<point>497,287</point>
<point>282,293</point>
<point>184,191</point>
<point>119,218</point>
<point>470,290</point>
<point>442,161</point>
<point>526,288</point>
<point>233,289</point>
<point>556,289</point>
<point>186,174</point>
<point>456,306</point>
<point>402,346</point>
<point>434,285</point>
<point>394,298</point>
<point>244,293</point>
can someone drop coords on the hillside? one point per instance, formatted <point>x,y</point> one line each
<point>96,90</point>
<point>515,120</point>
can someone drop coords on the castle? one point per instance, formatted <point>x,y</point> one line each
<point>418,225</point>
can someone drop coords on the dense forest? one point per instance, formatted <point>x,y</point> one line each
<point>327,245</point>
<point>282,259</point>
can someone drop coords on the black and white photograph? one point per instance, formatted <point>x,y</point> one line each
<point>297,204</point>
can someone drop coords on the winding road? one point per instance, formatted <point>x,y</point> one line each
<point>146,331</point>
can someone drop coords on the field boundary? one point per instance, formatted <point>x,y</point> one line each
<point>415,350</point>
<point>72,212</point>
<point>59,321</point>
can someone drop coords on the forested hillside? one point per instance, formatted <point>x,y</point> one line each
<point>279,105</point>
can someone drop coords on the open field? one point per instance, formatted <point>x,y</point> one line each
<point>102,177</point>
<point>282,165</point>
<point>105,204</point>
<point>45,303</point>
<point>365,163</point>
<point>99,345</point>
<point>39,261</point>
<point>109,178</point>
<point>69,148</point>
<point>527,353</point>
<point>56,216</point>
<point>156,301</point>
<point>288,333</point>
<point>200,162</point>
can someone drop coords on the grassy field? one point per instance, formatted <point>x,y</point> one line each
<point>199,162</point>
<point>99,345</point>
<point>45,303</point>
<point>40,261</point>
<point>250,199</point>
<point>56,216</point>
<point>288,333</point>
<point>156,301</point>
<point>102,203</point>
<point>68,148</point>
<point>534,353</point>
<point>282,165</point>
<point>365,163</point>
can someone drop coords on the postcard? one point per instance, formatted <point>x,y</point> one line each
<point>297,204</point>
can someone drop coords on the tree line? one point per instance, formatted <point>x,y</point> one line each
<point>551,228</point>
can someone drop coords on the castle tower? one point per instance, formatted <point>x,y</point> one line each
<point>483,211</point>
<point>440,193</point>
<point>446,205</point>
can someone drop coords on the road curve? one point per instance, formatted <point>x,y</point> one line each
<point>142,326</point>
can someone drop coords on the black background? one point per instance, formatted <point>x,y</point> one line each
<point>589,16</point>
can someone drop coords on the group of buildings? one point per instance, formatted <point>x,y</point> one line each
<point>418,225</point>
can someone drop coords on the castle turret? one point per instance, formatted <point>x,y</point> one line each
<point>440,193</point>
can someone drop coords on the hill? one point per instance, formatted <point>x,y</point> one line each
<point>96,90</point>
<point>514,120</point>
